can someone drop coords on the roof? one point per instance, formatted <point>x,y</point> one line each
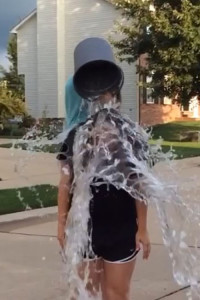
<point>23,21</point>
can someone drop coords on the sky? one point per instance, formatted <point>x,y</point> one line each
<point>11,12</point>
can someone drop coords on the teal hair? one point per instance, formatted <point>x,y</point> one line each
<point>76,107</point>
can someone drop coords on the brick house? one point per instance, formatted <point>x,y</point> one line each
<point>160,111</point>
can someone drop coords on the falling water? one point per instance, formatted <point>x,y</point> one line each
<point>112,147</point>
<point>118,153</point>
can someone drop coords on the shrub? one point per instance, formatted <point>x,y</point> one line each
<point>27,122</point>
<point>12,130</point>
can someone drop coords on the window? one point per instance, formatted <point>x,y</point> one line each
<point>149,99</point>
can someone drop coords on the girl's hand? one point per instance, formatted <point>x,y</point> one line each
<point>142,237</point>
<point>61,234</point>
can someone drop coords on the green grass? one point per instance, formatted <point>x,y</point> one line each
<point>181,149</point>
<point>16,200</point>
<point>9,145</point>
<point>172,131</point>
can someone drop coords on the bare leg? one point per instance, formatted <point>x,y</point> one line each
<point>117,278</point>
<point>91,272</point>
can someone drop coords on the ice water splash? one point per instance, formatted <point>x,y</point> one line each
<point>113,148</point>
<point>42,137</point>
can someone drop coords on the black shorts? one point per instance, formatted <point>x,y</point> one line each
<point>113,224</point>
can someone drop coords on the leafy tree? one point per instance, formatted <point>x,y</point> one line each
<point>10,106</point>
<point>15,82</point>
<point>168,32</point>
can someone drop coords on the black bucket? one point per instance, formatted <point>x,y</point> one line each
<point>95,69</point>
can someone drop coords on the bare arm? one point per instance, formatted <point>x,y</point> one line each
<point>63,201</point>
<point>142,236</point>
<point>141,206</point>
<point>141,209</point>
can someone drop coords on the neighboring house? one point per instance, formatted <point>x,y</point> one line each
<point>165,111</point>
<point>46,41</point>
<point>153,112</point>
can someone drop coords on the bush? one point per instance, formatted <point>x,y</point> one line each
<point>28,122</point>
<point>45,128</point>
<point>12,130</point>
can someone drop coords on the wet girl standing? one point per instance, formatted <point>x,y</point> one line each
<point>102,218</point>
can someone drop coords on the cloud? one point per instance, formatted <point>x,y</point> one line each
<point>11,12</point>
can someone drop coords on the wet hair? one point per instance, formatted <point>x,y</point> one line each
<point>119,97</point>
<point>116,94</point>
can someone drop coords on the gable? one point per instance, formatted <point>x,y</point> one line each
<point>24,21</point>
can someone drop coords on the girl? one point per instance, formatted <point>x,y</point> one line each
<point>105,146</point>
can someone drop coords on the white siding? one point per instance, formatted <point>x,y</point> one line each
<point>87,18</point>
<point>130,96</point>
<point>27,62</point>
<point>47,58</point>
<point>61,56</point>
<point>45,52</point>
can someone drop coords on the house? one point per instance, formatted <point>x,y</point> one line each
<point>165,110</point>
<point>46,41</point>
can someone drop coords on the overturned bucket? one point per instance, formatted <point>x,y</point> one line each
<point>95,69</point>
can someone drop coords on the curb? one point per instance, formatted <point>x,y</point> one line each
<point>29,214</point>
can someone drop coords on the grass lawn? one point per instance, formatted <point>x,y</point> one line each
<point>15,200</point>
<point>172,131</point>
<point>181,149</point>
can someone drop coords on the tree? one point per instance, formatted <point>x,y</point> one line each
<point>169,33</point>
<point>10,105</point>
<point>15,82</point>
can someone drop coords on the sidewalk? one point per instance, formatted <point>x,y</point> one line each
<point>31,266</point>
<point>6,141</point>
<point>29,214</point>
